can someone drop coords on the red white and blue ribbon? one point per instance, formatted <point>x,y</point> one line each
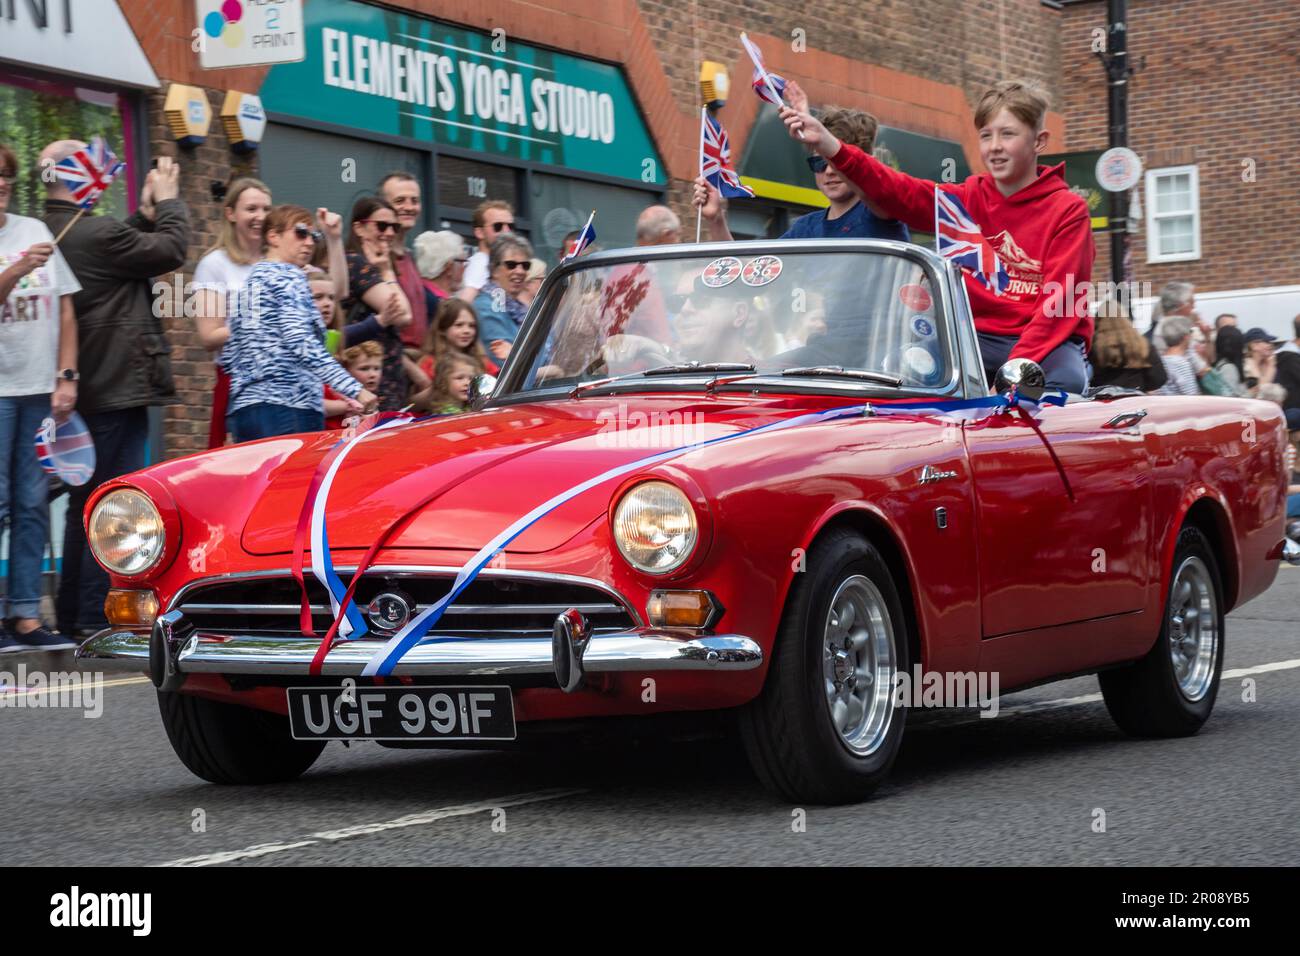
<point>322,566</point>
<point>974,409</point>
<point>385,660</point>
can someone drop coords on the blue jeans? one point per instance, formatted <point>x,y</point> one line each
<point>24,501</point>
<point>120,440</point>
<point>1066,366</point>
<point>267,421</point>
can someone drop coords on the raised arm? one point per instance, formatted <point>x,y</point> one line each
<point>896,195</point>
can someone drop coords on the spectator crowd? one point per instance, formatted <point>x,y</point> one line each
<point>313,317</point>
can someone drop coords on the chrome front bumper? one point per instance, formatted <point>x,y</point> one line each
<point>178,653</point>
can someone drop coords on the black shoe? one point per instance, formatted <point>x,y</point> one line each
<point>7,644</point>
<point>42,640</point>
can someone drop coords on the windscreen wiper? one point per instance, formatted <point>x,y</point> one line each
<point>679,369</point>
<point>700,367</point>
<point>838,371</point>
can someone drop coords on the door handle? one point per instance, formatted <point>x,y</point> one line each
<point>1127,419</point>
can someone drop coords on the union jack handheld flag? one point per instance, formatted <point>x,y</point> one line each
<point>767,83</point>
<point>585,238</point>
<point>88,172</point>
<point>958,238</point>
<point>715,159</point>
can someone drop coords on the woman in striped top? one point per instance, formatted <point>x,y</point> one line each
<point>276,353</point>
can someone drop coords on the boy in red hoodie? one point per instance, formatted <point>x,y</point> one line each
<point>1040,229</point>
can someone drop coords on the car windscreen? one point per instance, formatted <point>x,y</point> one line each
<point>869,312</point>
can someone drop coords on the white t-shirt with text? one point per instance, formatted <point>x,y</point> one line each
<point>29,317</point>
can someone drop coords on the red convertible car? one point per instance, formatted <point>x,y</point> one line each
<point>767,478</point>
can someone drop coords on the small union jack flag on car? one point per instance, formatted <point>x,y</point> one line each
<point>715,159</point>
<point>89,171</point>
<point>958,238</point>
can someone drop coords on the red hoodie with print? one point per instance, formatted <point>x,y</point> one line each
<point>1043,234</point>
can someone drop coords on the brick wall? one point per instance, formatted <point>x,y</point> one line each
<point>185,424</point>
<point>1220,85</point>
<point>917,66</point>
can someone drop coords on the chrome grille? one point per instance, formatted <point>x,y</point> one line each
<point>492,605</point>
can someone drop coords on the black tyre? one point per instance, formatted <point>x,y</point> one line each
<point>1171,691</point>
<point>825,728</point>
<point>226,743</point>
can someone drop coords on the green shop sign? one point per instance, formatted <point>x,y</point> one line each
<point>1081,177</point>
<point>389,72</point>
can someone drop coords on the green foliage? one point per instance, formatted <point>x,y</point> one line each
<point>30,120</point>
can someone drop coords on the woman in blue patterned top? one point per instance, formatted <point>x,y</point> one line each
<point>276,353</point>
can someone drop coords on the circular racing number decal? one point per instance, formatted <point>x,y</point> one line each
<point>922,327</point>
<point>915,297</point>
<point>721,272</point>
<point>761,270</point>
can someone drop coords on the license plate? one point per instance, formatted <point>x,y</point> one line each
<point>401,713</point>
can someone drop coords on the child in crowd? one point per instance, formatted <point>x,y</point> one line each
<point>455,330</point>
<point>323,295</point>
<point>365,363</point>
<point>449,394</point>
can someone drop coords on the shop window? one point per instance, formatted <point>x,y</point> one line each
<point>560,206</point>
<point>1173,214</point>
<point>313,169</point>
<point>34,113</point>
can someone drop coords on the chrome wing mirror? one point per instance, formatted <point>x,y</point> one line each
<point>481,387</point>
<point>1025,375</point>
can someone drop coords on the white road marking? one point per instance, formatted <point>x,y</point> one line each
<point>1043,705</point>
<point>366,829</point>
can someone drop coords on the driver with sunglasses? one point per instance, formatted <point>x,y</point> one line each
<point>709,325</point>
<point>847,217</point>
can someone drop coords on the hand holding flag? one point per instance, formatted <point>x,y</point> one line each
<point>769,86</point>
<point>715,159</point>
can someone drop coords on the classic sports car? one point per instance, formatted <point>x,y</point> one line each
<point>767,478</point>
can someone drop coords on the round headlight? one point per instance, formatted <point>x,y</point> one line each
<point>126,532</point>
<point>655,527</point>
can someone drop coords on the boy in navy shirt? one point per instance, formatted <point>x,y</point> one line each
<point>847,217</point>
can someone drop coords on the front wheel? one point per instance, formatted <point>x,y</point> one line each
<point>226,743</point>
<point>825,728</point>
<point>1171,691</point>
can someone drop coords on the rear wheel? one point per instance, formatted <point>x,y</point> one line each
<point>1171,691</point>
<point>825,728</point>
<point>226,743</point>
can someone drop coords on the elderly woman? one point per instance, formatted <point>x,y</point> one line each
<point>1183,366</point>
<point>441,259</point>
<point>276,352</point>
<point>500,311</point>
